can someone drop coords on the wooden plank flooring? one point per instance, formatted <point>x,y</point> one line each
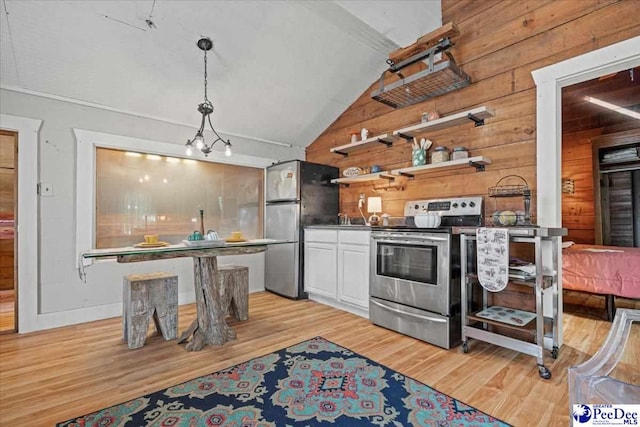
<point>7,311</point>
<point>51,376</point>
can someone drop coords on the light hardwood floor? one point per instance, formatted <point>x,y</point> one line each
<point>7,311</point>
<point>51,376</point>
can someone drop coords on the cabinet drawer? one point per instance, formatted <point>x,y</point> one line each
<point>322,236</point>
<point>354,237</point>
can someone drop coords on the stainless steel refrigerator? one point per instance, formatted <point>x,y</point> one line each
<point>298,194</point>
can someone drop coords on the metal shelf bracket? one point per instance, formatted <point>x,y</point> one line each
<point>477,121</point>
<point>479,166</point>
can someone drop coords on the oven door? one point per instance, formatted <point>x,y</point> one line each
<point>412,269</point>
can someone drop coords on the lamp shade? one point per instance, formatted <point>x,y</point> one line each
<point>374,204</point>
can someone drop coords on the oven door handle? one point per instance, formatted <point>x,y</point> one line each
<point>414,238</point>
<point>425,242</point>
<point>417,316</point>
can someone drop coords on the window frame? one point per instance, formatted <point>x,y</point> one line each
<point>87,143</point>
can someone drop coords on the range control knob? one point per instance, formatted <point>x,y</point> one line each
<point>455,205</point>
<point>463,205</point>
<point>416,207</point>
<point>472,204</point>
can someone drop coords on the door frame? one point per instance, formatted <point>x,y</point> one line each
<point>14,143</point>
<point>549,82</point>
<point>27,219</point>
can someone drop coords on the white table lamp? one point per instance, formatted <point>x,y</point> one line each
<point>374,205</point>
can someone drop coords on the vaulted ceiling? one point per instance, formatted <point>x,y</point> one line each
<point>279,71</point>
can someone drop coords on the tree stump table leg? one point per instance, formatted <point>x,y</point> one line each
<point>212,300</point>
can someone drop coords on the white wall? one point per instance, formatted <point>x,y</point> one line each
<point>62,298</point>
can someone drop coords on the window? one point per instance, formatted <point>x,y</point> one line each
<point>138,194</point>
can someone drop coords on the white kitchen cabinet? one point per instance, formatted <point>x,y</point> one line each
<point>353,267</point>
<point>341,281</point>
<point>321,263</point>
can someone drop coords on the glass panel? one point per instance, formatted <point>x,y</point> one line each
<point>138,194</point>
<point>416,263</point>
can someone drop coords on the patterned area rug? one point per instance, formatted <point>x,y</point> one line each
<point>314,383</point>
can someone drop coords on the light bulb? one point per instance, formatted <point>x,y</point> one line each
<point>189,150</point>
<point>227,151</point>
<point>199,140</point>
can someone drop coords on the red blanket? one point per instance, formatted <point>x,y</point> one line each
<point>605,270</point>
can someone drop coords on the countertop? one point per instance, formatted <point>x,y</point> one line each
<point>339,227</point>
<point>519,231</point>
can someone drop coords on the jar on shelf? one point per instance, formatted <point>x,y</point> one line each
<point>354,136</point>
<point>459,153</point>
<point>440,154</point>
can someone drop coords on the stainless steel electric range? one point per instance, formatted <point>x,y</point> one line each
<point>414,285</point>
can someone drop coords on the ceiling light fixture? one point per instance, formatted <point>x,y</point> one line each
<point>206,108</point>
<point>613,107</point>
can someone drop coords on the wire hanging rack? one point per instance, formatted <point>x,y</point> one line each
<point>504,190</point>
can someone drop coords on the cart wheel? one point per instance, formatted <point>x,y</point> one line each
<point>465,347</point>
<point>544,372</point>
<point>554,352</point>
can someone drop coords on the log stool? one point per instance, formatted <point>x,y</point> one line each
<point>146,296</point>
<point>235,280</point>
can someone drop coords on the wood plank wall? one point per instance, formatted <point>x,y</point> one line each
<point>578,209</point>
<point>500,43</point>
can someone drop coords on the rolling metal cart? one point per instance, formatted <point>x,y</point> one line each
<point>544,280</point>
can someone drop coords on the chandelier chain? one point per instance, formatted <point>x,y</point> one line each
<point>206,99</point>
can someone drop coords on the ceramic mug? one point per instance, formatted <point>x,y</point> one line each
<point>195,236</point>
<point>211,235</point>
<point>151,238</point>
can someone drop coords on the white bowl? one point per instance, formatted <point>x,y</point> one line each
<point>428,220</point>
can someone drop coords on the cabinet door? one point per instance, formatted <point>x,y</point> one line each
<point>320,266</point>
<point>353,275</point>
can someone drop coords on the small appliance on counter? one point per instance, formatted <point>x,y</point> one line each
<point>298,194</point>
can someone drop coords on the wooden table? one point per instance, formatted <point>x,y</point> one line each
<point>210,326</point>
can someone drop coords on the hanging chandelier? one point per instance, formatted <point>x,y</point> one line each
<point>206,108</point>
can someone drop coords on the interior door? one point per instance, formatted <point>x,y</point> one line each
<point>8,198</point>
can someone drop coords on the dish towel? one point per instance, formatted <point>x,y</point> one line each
<point>493,258</point>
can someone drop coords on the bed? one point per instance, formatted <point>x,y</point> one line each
<point>607,270</point>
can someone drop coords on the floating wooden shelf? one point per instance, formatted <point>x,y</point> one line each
<point>362,178</point>
<point>477,162</point>
<point>379,139</point>
<point>476,115</point>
